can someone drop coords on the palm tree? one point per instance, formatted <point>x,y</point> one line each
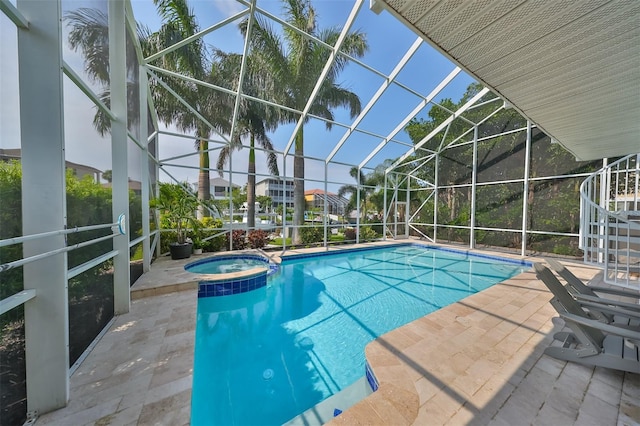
<point>295,63</point>
<point>251,125</point>
<point>365,184</point>
<point>254,120</point>
<point>89,33</point>
<point>193,60</point>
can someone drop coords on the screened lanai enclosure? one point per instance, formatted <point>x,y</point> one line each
<point>511,126</point>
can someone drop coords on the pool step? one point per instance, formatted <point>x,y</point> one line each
<point>324,411</point>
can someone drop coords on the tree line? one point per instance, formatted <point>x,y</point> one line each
<point>552,198</point>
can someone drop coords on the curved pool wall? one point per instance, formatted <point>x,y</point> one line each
<point>461,250</point>
<point>224,284</point>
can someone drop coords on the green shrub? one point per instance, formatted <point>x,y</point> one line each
<point>166,238</point>
<point>10,226</point>
<point>378,228</point>
<point>208,227</point>
<point>88,203</point>
<point>210,222</point>
<point>565,250</point>
<point>311,235</point>
<point>367,234</point>
<point>336,238</point>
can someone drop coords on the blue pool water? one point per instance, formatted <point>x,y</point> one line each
<point>265,356</point>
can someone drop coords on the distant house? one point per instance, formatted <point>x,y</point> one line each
<point>220,188</point>
<point>79,170</point>
<point>279,189</point>
<point>335,204</point>
<point>134,185</point>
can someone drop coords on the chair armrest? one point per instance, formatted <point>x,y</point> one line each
<point>632,307</point>
<point>607,328</point>
<point>611,310</point>
<point>616,291</point>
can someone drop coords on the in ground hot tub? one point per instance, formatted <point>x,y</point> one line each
<point>228,274</point>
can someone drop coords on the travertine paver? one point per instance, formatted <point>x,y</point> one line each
<point>629,406</point>
<point>140,371</point>
<point>479,361</point>
<point>511,381</point>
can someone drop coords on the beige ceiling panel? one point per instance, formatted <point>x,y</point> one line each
<point>572,67</point>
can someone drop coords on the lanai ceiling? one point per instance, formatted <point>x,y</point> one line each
<point>572,67</point>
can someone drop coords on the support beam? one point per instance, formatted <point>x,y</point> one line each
<point>407,217</point>
<point>43,190</point>
<point>196,36</point>
<point>386,209</point>
<point>525,190</point>
<point>358,211</point>
<point>383,87</point>
<point>243,69</point>
<point>325,206</point>
<point>474,182</point>
<point>14,14</point>
<point>436,182</point>
<point>120,183</point>
<point>440,127</point>
<point>423,103</point>
<point>145,193</point>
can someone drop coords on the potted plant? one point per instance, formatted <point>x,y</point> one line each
<point>198,244</point>
<point>177,209</point>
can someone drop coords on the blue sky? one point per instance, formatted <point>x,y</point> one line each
<point>388,41</point>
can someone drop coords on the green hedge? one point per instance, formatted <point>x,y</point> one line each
<point>88,203</point>
<point>311,235</point>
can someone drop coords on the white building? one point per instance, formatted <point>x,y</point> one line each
<point>279,189</point>
<point>220,188</point>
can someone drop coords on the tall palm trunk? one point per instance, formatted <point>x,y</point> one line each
<point>204,189</point>
<point>299,202</point>
<point>251,185</point>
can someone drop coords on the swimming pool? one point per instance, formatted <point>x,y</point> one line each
<point>265,356</point>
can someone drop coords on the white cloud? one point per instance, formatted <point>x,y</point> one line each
<point>229,7</point>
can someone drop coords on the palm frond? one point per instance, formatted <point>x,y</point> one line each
<point>179,23</point>
<point>267,52</point>
<point>89,33</point>
<point>101,121</point>
<point>355,45</point>
<point>223,156</point>
<point>335,96</point>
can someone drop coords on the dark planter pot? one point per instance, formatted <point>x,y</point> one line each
<point>180,251</point>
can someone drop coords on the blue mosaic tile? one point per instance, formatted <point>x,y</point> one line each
<point>371,378</point>
<point>261,281</point>
<point>236,286</point>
